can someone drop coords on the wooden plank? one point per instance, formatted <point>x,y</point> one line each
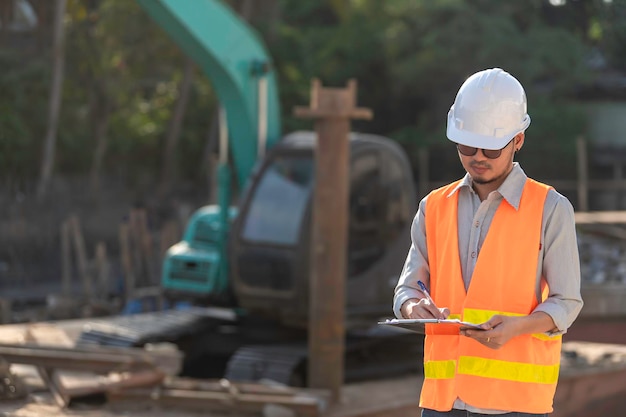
<point>46,375</point>
<point>605,301</point>
<point>81,256</point>
<point>66,258</point>
<point>423,157</point>
<point>165,356</point>
<point>102,270</point>
<point>135,245</point>
<point>92,359</point>
<point>146,248</point>
<point>76,385</point>
<point>590,217</point>
<point>170,234</point>
<point>69,378</point>
<point>207,400</point>
<point>222,385</point>
<point>48,335</point>
<point>143,292</point>
<point>44,334</point>
<point>6,310</point>
<point>583,174</point>
<point>127,262</point>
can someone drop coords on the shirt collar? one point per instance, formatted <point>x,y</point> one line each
<point>511,189</point>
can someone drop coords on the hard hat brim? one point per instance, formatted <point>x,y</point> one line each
<point>476,140</point>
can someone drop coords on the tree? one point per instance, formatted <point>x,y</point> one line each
<point>173,134</point>
<point>56,87</point>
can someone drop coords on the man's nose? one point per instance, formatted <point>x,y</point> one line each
<point>480,155</point>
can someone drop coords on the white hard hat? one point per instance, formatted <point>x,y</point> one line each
<point>489,110</point>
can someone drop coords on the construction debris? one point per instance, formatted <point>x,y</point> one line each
<point>126,368</point>
<point>602,246</point>
<point>101,360</point>
<point>223,395</point>
<point>124,378</point>
<point>603,254</point>
<point>11,386</point>
<point>127,376</point>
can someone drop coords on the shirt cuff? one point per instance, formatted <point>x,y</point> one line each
<point>558,317</point>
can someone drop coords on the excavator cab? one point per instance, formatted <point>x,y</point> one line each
<point>270,239</point>
<point>270,234</point>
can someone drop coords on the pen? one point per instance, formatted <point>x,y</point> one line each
<point>425,291</point>
<point>428,297</point>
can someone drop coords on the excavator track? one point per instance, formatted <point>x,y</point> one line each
<point>216,343</point>
<point>160,326</point>
<point>281,364</point>
<point>374,356</point>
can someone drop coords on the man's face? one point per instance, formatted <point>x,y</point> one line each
<point>485,170</point>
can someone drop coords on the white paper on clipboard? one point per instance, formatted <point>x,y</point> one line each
<point>417,325</point>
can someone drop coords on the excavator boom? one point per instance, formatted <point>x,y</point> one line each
<point>240,69</point>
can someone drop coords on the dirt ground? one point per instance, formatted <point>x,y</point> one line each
<point>591,384</point>
<point>592,376</point>
<point>42,405</point>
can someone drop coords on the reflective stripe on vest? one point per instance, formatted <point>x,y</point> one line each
<point>473,315</point>
<point>520,376</point>
<point>490,368</point>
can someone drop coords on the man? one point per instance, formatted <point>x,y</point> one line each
<point>497,249</point>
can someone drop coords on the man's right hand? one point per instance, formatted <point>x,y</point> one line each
<point>423,309</point>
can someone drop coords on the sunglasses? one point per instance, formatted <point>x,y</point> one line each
<point>489,153</point>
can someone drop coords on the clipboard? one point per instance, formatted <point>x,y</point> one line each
<point>417,325</point>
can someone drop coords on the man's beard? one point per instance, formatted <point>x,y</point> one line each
<point>494,179</point>
<point>482,182</point>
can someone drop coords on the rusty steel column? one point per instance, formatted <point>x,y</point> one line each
<point>332,109</point>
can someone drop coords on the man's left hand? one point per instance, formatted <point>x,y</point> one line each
<point>496,332</point>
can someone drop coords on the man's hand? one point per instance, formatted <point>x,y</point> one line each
<point>500,329</point>
<point>422,309</point>
<point>497,331</point>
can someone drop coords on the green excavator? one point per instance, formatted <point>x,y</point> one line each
<point>254,258</point>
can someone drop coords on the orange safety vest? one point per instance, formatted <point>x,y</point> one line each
<point>521,376</point>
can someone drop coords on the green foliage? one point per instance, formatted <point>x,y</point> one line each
<point>125,62</point>
<point>612,22</point>
<point>23,110</point>
<point>555,126</point>
<point>408,56</point>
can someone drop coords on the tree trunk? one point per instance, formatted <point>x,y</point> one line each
<point>173,134</point>
<point>102,112</point>
<point>6,13</point>
<point>209,159</point>
<point>54,109</point>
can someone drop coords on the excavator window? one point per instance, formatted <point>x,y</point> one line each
<point>367,211</point>
<point>279,202</point>
<point>378,201</point>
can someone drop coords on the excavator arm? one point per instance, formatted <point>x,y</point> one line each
<point>235,60</point>
<point>240,69</point>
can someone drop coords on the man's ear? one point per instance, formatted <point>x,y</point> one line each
<point>518,141</point>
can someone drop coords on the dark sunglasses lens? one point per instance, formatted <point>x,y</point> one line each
<point>471,151</point>
<point>466,150</point>
<point>492,153</point>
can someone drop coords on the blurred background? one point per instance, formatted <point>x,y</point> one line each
<point>112,149</point>
<point>101,113</point>
<point>134,124</point>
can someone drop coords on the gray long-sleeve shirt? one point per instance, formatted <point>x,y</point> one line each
<point>558,258</point>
